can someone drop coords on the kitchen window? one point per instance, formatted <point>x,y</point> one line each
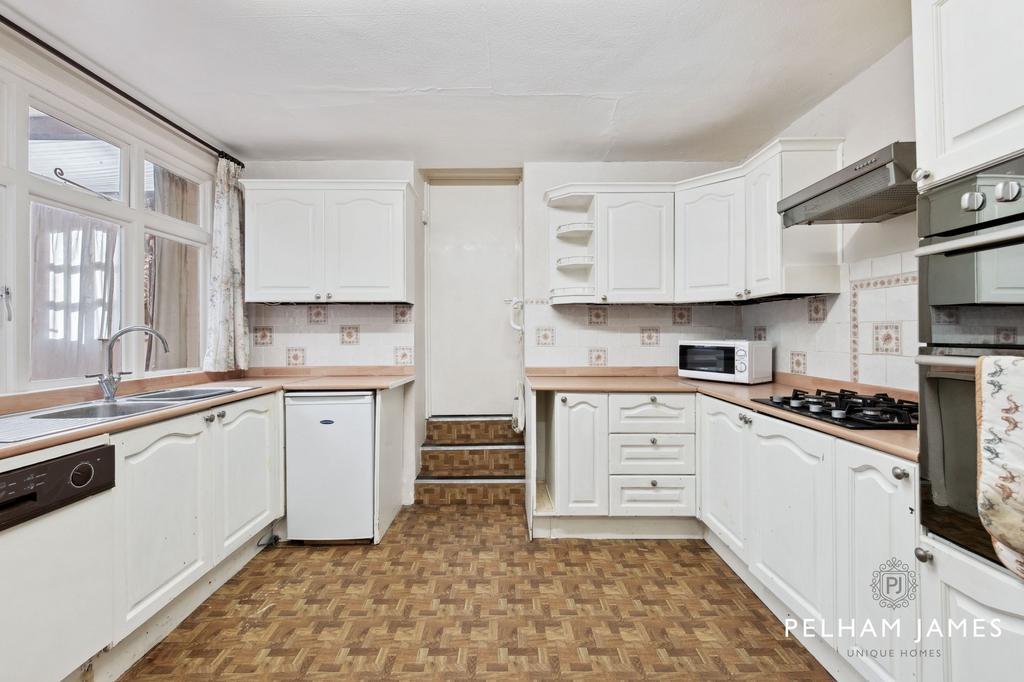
<point>170,293</point>
<point>170,194</point>
<point>75,291</point>
<point>82,158</point>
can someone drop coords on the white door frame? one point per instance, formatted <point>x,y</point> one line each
<point>473,176</point>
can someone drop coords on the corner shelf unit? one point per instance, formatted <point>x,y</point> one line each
<point>572,249</point>
<point>574,231</point>
<point>574,263</point>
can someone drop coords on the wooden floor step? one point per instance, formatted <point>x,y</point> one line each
<point>471,431</point>
<point>441,492</point>
<point>472,461</point>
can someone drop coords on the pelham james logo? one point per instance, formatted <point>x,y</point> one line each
<point>894,585</point>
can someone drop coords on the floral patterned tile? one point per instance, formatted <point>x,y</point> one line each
<point>816,309</point>
<point>545,336</point>
<point>1006,335</point>
<point>263,336</point>
<point>650,336</point>
<point>350,335</point>
<point>316,314</point>
<point>596,316</point>
<point>598,357</point>
<point>403,355</point>
<point>295,356</point>
<point>798,362</point>
<point>886,338</point>
<point>682,315</point>
<point>403,313</point>
<point>760,333</point>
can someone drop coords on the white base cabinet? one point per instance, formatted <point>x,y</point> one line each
<point>580,475</point>
<point>724,436</point>
<point>191,490</point>
<point>876,531</point>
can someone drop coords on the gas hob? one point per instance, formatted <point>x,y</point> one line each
<point>848,409</point>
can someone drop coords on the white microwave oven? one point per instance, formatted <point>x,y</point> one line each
<point>739,362</point>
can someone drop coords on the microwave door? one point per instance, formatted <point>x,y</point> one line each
<point>713,359</point>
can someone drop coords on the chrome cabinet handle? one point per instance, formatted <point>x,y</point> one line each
<point>329,296</point>
<point>564,399</point>
<point>744,419</point>
<point>739,294</point>
<point>654,398</point>
<point>604,297</point>
<point>972,201</point>
<point>654,484</point>
<point>221,414</point>
<point>899,473</point>
<point>654,441</point>
<point>920,174</point>
<point>746,292</point>
<point>209,418</point>
<point>923,555</point>
<point>317,296</point>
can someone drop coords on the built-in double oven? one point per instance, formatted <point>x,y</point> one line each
<point>971,268</point>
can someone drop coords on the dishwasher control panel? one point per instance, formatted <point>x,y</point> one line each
<point>38,489</point>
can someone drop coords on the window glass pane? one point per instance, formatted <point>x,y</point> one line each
<point>171,194</point>
<point>76,292</point>
<point>170,290</point>
<point>84,158</point>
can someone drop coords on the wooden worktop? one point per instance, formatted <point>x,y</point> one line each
<point>902,444</point>
<point>254,386</point>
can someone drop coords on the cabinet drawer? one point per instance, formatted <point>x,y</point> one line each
<point>651,412</point>
<point>668,453</point>
<point>652,495</point>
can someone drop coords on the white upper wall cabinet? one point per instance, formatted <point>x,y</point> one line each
<point>635,234</point>
<point>327,241</point>
<point>710,250</point>
<point>969,110</point>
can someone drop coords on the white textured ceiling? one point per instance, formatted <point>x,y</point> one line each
<point>479,82</point>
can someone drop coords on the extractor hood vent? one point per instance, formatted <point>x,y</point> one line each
<point>876,188</point>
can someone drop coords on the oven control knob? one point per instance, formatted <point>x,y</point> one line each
<point>740,353</point>
<point>82,475</point>
<point>741,367</point>
<point>972,201</point>
<point>1008,190</point>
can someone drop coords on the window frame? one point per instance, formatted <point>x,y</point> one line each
<point>57,92</point>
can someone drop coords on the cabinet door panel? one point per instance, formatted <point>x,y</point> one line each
<point>875,523</point>
<point>724,443</point>
<point>647,453</point>
<point>791,533</point>
<point>968,112</point>
<point>365,245</point>
<point>764,228</point>
<point>652,412</point>
<point>164,476</point>
<point>957,587</point>
<point>283,245</point>
<point>581,454</point>
<point>652,495</point>
<point>710,242</point>
<point>248,461</point>
<point>636,237</point>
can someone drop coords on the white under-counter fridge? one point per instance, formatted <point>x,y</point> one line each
<point>329,465</point>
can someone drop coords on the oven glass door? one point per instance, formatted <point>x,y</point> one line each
<point>714,359</point>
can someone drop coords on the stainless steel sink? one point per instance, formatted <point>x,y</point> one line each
<point>104,410</point>
<point>181,394</point>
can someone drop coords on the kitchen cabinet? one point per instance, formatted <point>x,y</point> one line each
<point>968,112</point>
<point>724,435</point>
<point>980,610</point>
<point>580,483</point>
<point>165,479</point>
<point>635,234</point>
<point>709,242</point>
<point>652,495</point>
<point>327,241</point>
<point>249,471</point>
<point>191,490</point>
<point>791,548</point>
<point>876,525</point>
<point>652,412</point>
<point>662,453</point>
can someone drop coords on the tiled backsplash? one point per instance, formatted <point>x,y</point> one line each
<point>331,335</point>
<point>867,333</point>
<point>620,335</point>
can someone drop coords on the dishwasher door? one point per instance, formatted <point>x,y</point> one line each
<point>329,465</point>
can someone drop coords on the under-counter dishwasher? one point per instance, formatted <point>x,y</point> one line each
<point>329,465</point>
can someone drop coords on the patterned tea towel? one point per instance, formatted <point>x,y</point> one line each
<point>1000,398</point>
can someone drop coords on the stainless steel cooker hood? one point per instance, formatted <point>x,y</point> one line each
<point>873,189</point>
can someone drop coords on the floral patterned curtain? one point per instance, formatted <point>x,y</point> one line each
<point>227,345</point>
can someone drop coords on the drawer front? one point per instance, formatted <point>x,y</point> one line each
<point>651,412</point>
<point>648,453</point>
<point>652,495</point>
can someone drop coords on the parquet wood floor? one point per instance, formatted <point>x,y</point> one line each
<point>456,592</point>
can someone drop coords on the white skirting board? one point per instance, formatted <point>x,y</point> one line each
<point>612,528</point>
<point>829,658</point>
<point>109,665</point>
